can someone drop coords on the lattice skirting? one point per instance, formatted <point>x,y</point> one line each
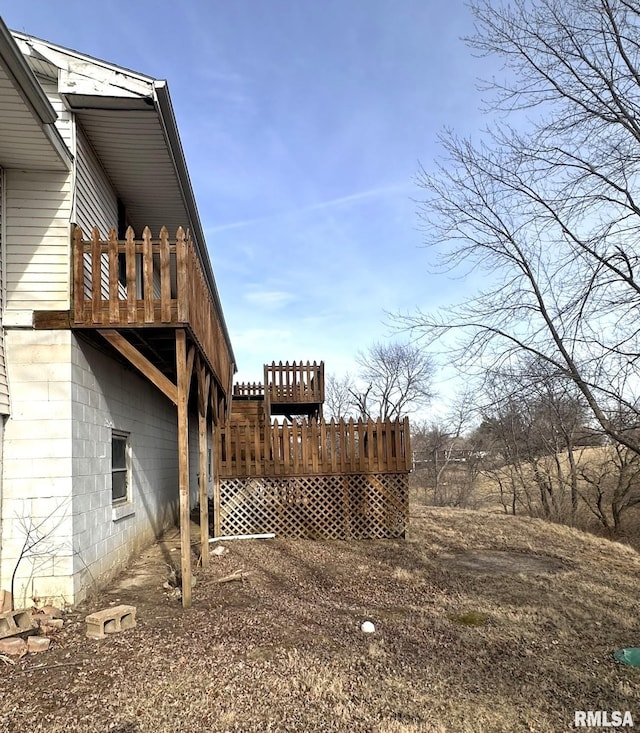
<point>349,506</point>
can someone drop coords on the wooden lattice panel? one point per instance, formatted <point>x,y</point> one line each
<point>348,506</point>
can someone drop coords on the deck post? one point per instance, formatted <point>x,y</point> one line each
<point>203,402</point>
<point>184,383</point>
<point>217,417</point>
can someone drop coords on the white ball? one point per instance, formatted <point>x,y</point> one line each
<point>367,627</point>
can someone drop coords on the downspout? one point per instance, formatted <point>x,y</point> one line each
<point>3,288</point>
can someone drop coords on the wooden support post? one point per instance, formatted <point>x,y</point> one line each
<point>214,459</point>
<point>78,276</point>
<point>217,528</point>
<point>216,453</point>
<point>204,381</point>
<point>267,396</point>
<point>184,383</point>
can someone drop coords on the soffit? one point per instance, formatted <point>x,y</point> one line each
<point>132,148</point>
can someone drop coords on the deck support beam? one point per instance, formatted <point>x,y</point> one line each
<point>217,415</point>
<point>184,364</point>
<point>141,363</point>
<point>204,385</point>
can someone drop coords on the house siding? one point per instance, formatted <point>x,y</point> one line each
<point>64,123</point>
<point>96,202</point>
<point>37,239</point>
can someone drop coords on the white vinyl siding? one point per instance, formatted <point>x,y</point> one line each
<point>96,203</point>
<point>64,123</point>
<point>37,244</point>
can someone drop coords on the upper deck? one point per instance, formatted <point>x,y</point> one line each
<point>146,286</point>
<point>288,389</point>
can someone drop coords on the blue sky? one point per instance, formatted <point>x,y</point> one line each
<point>303,124</point>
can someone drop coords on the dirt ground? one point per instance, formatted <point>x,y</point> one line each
<point>483,623</point>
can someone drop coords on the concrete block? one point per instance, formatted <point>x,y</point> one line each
<point>17,647</point>
<point>6,601</point>
<point>110,621</point>
<point>15,622</point>
<point>37,644</point>
<point>52,626</point>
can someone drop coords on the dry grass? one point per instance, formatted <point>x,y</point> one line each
<point>502,647</point>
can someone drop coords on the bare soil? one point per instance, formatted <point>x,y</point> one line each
<point>483,623</point>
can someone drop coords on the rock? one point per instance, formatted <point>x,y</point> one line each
<point>17,647</point>
<point>52,611</point>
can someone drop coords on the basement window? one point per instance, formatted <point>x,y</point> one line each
<point>120,467</point>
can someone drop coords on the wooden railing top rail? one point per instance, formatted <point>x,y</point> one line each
<point>147,282</point>
<point>314,447</point>
<point>248,389</point>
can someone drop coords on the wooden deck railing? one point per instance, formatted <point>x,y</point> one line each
<point>294,383</point>
<point>248,389</point>
<point>310,447</point>
<point>145,283</point>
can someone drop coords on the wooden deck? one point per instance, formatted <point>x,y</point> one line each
<point>147,283</point>
<point>150,303</point>
<point>290,386</point>
<point>314,480</point>
<point>287,390</point>
<point>310,447</point>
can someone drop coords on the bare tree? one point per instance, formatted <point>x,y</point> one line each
<point>548,210</point>
<point>397,380</point>
<point>535,420</point>
<point>612,486</point>
<point>39,545</point>
<point>338,398</point>
<point>446,461</point>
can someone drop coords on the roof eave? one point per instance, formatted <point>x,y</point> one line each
<point>26,82</point>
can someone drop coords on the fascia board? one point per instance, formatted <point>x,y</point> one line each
<point>86,79</point>
<point>87,76</point>
<point>67,58</point>
<point>25,80</point>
